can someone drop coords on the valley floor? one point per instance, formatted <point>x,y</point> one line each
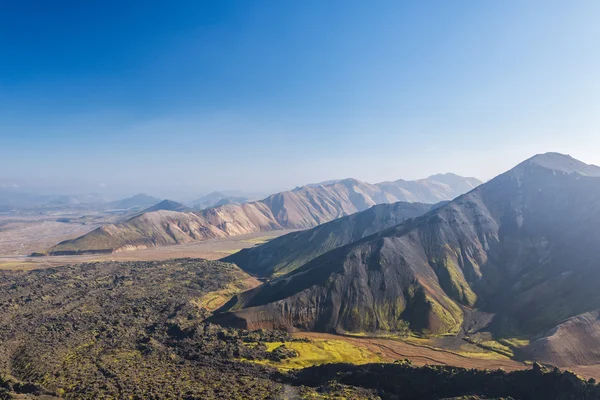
<point>420,353</point>
<point>390,350</point>
<point>210,250</point>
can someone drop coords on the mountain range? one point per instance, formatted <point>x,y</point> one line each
<point>521,247</point>
<point>300,208</point>
<point>12,198</point>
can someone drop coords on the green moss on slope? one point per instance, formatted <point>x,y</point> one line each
<point>453,282</point>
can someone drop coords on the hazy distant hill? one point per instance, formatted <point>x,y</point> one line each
<point>522,246</point>
<point>18,199</point>
<point>434,189</point>
<point>300,208</point>
<point>216,199</point>
<point>139,200</point>
<point>285,253</point>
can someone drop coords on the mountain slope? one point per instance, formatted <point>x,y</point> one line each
<point>300,208</point>
<point>521,246</point>
<point>285,253</point>
<point>574,342</point>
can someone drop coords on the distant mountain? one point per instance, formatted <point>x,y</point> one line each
<point>329,182</point>
<point>216,199</point>
<point>137,201</point>
<point>522,247</point>
<point>300,208</point>
<point>230,200</point>
<point>167,205</point>
<point>285,253</point>
<point>434,189</point>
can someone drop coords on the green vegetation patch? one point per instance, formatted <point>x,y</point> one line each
<point>453,282</point>
<point>320,351</point>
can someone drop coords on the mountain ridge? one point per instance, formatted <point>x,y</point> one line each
<point>285,253</point>
<point>301,208</point>
<point>519,246</point>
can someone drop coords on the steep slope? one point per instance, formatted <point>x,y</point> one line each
<point>521,246</point>
<point>300,208</point>
<point>295,249</point>
<point>574,342</point>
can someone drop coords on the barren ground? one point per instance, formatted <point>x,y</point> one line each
<point>396,349</point>
<point>210,250</point>
<point>391,350</point>
<point>20,236</point>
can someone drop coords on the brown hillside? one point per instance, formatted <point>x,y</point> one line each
<point>301,208</point>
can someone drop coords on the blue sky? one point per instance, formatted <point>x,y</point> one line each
<point>181,97</point>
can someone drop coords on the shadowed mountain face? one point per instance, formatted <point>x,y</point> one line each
<point>288,252</point>
<point>300,208</point>
<point>522,246</point>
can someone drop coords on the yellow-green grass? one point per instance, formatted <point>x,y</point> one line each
<point>495,346</point>
<point>321,351</point>
<point>213,300</point>
<point>231,251</point>
<point>514,342</point>
<point>483,355</point>
<point>259,240</point>
<point>474,351</point>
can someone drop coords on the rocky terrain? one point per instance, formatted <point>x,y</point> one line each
<point>521,247</point>
<point>300,208</point>
<point>139,330</point>
<point>110,330</point>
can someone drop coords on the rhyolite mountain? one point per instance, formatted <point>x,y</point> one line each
<point>300,208</point>
<point>285,253</point>
<point>522,246</point>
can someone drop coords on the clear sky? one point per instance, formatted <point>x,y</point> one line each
<point>180,97</point>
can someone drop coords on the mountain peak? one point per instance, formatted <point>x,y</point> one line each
<point>563,163</point>
<point>168,205</point>
<point>350,182</point>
